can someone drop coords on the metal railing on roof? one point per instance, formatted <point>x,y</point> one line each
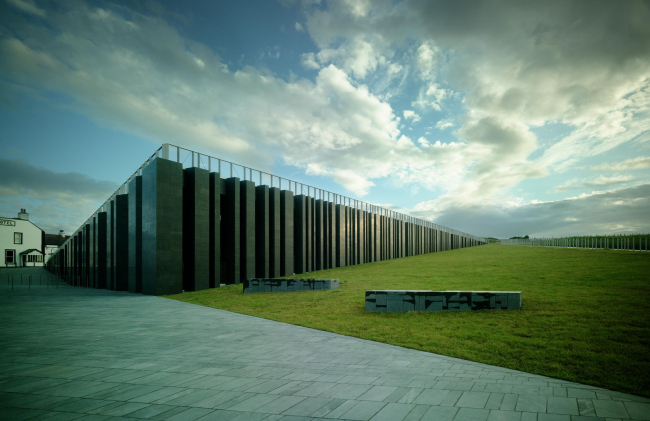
<point>189,159</point>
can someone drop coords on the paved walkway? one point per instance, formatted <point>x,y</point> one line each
<point>80,354</point>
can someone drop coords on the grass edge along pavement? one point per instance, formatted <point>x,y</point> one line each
<point>585,315</point>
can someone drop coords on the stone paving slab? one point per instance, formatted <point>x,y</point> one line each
<point>82,354</point>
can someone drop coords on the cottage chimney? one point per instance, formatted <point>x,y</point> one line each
<point>62,233</point>
<point>23,215</point>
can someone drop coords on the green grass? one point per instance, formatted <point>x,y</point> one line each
<point>585,316</point>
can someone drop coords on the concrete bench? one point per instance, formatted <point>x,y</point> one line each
<point>288,285</point>
<point>402,301</point>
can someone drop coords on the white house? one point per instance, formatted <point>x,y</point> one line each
<point>52,243</point>
<point>21,242</point>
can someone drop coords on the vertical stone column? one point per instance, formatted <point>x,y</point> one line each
<point>402,238</point>
<point>391,237</point>
<point>286,233</point>
<point>361,236</point>
<point>309,233</point>
<point>101,250</point>
<point>110,236</point>
<point>135,234</point>
<point>341,252</point>
<point>86,256</point>
<point>348,236</point>
<point>230,232</point>
<point>327,248</point>
<point>274,233</point>
<point>214,278</point>
<point>331,234</point>
<point>262,234</point>
<point>92,269</point>
<point>162,227</point>
<point>300,233</point>
<point>121,243</point>
<point>247,230</point>
<point>319,235</point>
<point>196,229</point>
<point>371,236</point>
<point>79,256</point>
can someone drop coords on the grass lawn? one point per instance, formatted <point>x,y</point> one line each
<point>585,316</point>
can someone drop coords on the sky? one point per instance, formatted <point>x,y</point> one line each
<point>496,118</point>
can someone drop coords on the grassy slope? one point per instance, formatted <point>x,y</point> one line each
<point>586,314</point>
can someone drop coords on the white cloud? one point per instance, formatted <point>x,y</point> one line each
<point>412,115</point>
<point>518,66</point>
<point>444,124</point>
<point>638,163</point>
<point>600,181</point>
<point>357,56</point>
<point>151,82</point>
<point>54,200</point>
<point>27,6</point>
<point>308,60</point>
<point>613,212</point>
<point>298,27</point>
<point>509,68</point>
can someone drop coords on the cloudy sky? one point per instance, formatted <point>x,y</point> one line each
<point>497,118</point>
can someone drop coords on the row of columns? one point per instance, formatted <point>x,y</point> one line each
<point>188,229</point>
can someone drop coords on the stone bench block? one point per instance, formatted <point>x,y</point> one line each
<point>421,300</point>
<point>288,285</point>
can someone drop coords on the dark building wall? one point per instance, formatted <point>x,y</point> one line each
<point>196,229</point>
<point>230,232</point>
<point>101,249</point>
<point>247,230</point>
<point>275,243</point>
<point>300,233</point>
<point>162,228</point>
<point>287,228</point>
<point>135,234</point>
<point>120,243</point>
<point>92,269</point>
<point>319,235</point>
<point>189,229</point>
<point>215,230</point>
<point>110,239</point>
<point>262,234</point>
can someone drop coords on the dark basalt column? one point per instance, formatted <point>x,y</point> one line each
<point>196,229</point>
<point>121,243</point>
<point>286,233</point>
<point>377,237</point>
<point>361,236</point>
<point>92,270</point>
<point>135,234</point>
<point>331,234</point>
<point>319,236</point>
<point>230,232</point>
<point>274,233</point>
<point>300,233</point>
<point>341,251</point>
<point>110,238</point>
<point>214,279</point>
<point>101,249</point>
<point>162,227</point>
<point>309,233</point>
<point>371,237</point>
<point>247,230</point>
<point>85,256</point>
<point>262,235</point>
<point>345,235</point>
<point>78,244</point>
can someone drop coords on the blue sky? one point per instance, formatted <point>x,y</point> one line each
<point>496,118</point>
